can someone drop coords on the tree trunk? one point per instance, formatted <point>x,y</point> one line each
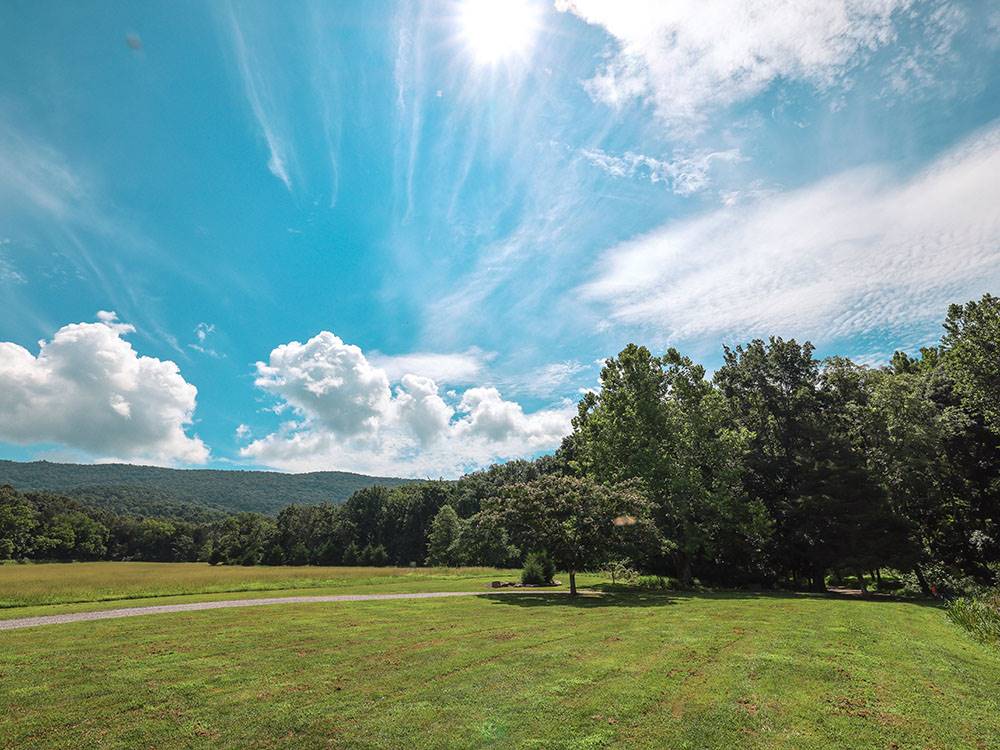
<point>684,568</point>
<point>818,582</point>
<point>862,582</point>
<point>572,582</point>
<point>924,587</point>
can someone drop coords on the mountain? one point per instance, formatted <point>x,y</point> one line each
<point>151,490</point>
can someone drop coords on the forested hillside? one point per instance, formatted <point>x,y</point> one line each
<point>185,493</point>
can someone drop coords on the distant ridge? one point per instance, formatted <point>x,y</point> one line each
<point>152,490</point>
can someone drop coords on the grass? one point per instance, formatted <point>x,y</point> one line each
<point>626,670</point>
<point>62,583</point>
<point>980,615</point>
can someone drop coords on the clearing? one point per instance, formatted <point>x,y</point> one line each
<point>629,670</point>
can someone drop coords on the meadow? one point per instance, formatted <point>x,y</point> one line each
<point>67,583</point>
<point>618,670</point>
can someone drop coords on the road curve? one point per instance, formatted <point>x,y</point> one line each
<point>110,614</point>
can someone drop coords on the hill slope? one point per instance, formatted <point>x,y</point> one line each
<point>152,490</point>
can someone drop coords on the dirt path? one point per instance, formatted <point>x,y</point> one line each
<point>109,614</point>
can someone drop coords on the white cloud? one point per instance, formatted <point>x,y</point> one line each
<point>260,102</point>
<point>856,253</point>
<point>684,175</point>
<point>88,389</point>
<point>346,416</point>
<point>551,379</point>
<point>458,368</point>
<point>8,273</point>
<point>202,331</point>
<point>329,381</point>
<point>686,56</point>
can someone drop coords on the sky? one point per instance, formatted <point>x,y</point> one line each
<point>399,238</point>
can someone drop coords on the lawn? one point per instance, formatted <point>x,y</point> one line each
<point>61,583</point>
<point>515,671</point>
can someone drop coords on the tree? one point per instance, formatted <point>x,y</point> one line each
<point>657,420</point>
<point>245,539</point>
<point>971,347</point>
<point>772,391</point>
<point>483,540</point>
<point>18,521</point>
<point>577,522</point>
<point>442,542</point>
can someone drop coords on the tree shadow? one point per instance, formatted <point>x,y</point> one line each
<point>586,599</point>
<point>607,595</point>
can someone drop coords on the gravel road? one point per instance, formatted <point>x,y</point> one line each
<point>110,614</point>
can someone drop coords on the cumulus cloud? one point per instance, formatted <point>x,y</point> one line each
<point>686,56</point>
<point>88,389</point>
<point>330,381</point>
<point>862,251</point>
<point>345,414</point>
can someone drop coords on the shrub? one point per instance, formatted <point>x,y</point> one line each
<point>980,615</point>
<point>374,555</point>
<point>656,583</point>
<point>621,571</point>
<point>538,569</point>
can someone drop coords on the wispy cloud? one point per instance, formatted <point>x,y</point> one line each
<point>684,174</point>
<point>859,252</point>
<point>8,273</point>
<point>255,86</point>
<point>549,380</point>
<point>686,57</point>
<point>458,368</point>
<point>46,195</point>
<point>202,332</point>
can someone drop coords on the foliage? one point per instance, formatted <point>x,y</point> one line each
<point>572,520</point>
<point>971,347</point>
<point>780,471</point>
<point>980,615</point>
<point>184,493</point>
<point>621,571</point>
<point>538,569</point>
<point>443,541</point>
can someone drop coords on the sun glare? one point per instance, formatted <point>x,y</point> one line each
<point>498,29</point>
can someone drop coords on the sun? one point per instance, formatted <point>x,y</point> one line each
<point>495,30</point>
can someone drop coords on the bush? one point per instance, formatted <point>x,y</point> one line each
<point>538,570</point>
<point>979,615</point>
<point>945,582</point>
<point>621,572</point>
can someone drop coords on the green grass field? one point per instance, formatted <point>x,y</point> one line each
<point>627,670</point>
<point>60,583</point>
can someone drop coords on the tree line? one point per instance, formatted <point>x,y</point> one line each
<point>778,470</point>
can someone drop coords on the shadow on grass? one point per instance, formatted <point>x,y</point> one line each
<point>587,599</point>
<point>606,595</point>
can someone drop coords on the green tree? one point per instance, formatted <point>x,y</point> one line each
<point>245,539</point>
<point>483,540</point>
<point>971,347</point>
<point>18,521</point>
<point>772,390</point>
<point>577,522</point>
<point>442,542</point>
<point>659,421</point>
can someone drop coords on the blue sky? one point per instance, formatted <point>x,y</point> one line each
<point>398,237</point>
